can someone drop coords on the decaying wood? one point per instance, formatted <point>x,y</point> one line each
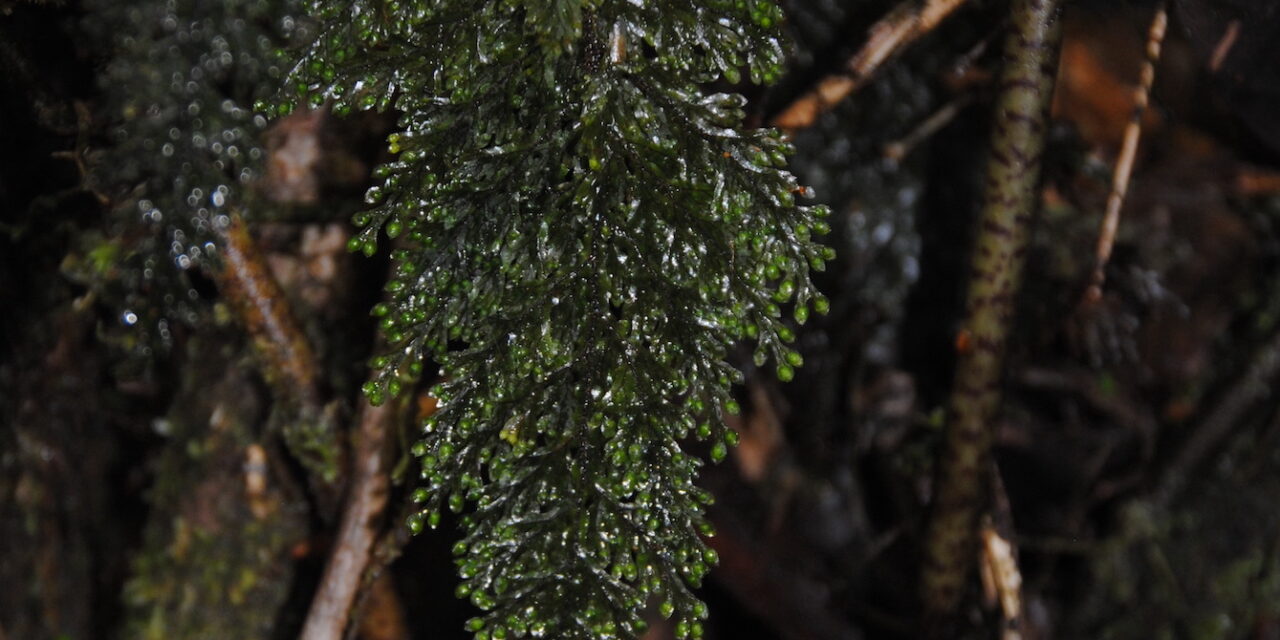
<point>1001,580</point>
<point>1011,195</point>
<point>1128,151</point>
<point>331,608</point>
<point>295,153</point>
<point>905,24</point>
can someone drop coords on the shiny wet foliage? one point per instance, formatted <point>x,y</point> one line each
<point>580,233</point>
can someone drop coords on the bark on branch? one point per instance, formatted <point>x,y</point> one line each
<point>1010,196</point>
<point>260,304</point>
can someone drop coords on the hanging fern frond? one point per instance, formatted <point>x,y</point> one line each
<point>584,233</point>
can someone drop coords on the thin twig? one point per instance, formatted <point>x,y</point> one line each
<point>905,24</point>
<point>84,124</point>
<point>898,149</point>
<point>1253,182</point>
<point>1009,200</point>
<point>352,549</point>
<point>1224,46</point>
<point>1128,151</point>
<point>964,65</point>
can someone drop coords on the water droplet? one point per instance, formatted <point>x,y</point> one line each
<point>719,451</point>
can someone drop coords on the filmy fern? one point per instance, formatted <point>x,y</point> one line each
<point>186,145</point>
<point>584,233</point>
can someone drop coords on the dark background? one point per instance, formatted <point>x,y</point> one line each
<point>820,509</point>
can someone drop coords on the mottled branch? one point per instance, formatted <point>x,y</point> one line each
<point>1010,197</point>
<point>288,361</point>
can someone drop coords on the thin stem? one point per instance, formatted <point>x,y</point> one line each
<point>1128,151</point>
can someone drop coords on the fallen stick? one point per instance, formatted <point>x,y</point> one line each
<point>905,24</point>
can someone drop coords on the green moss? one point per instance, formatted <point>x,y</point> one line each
<point>216,560</point>
<point>312,439</point>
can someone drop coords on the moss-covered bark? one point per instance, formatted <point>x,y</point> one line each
<point>216,561</point>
